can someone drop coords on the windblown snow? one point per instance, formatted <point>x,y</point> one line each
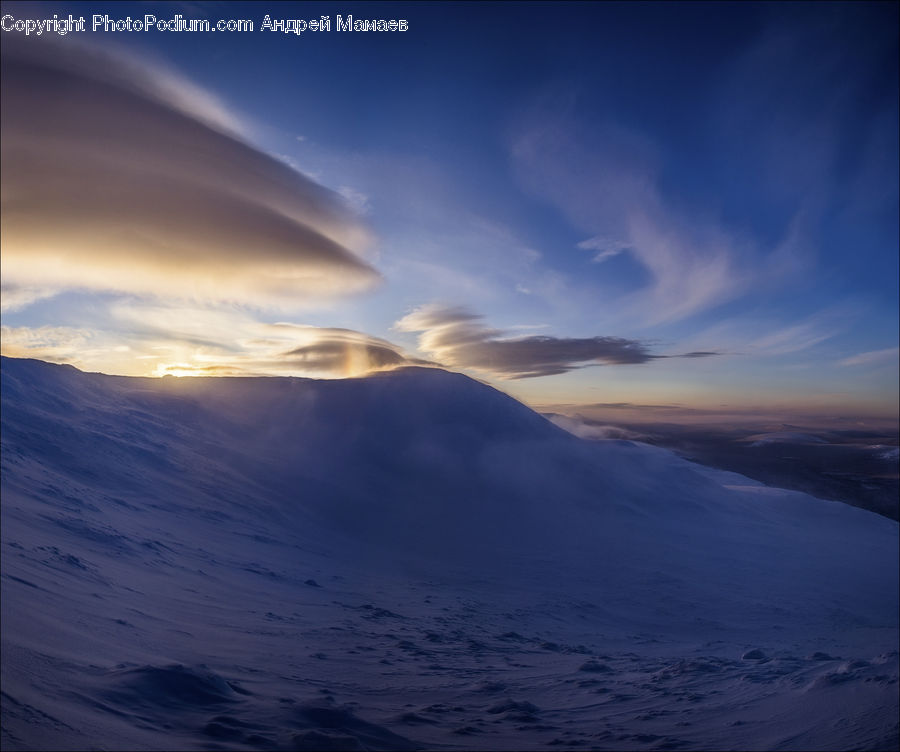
<point>414,560</point>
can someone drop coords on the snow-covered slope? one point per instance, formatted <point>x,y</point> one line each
<point>414,560</point>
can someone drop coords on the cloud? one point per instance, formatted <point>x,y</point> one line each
<point>442,243</point>
<point>767,335</point>
<point>231,339</point>
<point>457,338</point>
<point>605,247</point>
<point>887,356</point>
<point>345,351</point>
<point>13,297</point>
<point>585,429</point>
<point>117,176</point>
<point>793,338</point>
<point>154,340</point>
<point>357,199</point>
<point>605,179</point>
<point>53,343</point>
<point>334,355</point>
<point>799,127</point>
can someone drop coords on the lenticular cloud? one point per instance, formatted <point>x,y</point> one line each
<point>116,176</point>
<point>457,337</point>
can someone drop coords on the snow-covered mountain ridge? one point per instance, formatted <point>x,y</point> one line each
<point>384,562</point>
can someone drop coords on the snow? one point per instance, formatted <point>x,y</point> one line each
<point>414,560</point>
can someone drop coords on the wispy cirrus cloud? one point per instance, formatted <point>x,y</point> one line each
<point>796,127</point>
<point>458,338</point>
<point>119,177</point>
<point>605,247</point>
<point>606,181</point>
<point>15,297</point>
<point>766,336</point>
<point>794,338</point>
<point>888,356</point>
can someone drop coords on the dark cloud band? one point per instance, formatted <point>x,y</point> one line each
<point>456,337</point>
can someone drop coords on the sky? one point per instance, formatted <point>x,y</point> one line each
<point>666,204</point>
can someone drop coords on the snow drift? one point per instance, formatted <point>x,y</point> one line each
<point>409,560</point>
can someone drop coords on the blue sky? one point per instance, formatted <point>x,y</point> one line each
<point>562,199</point>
